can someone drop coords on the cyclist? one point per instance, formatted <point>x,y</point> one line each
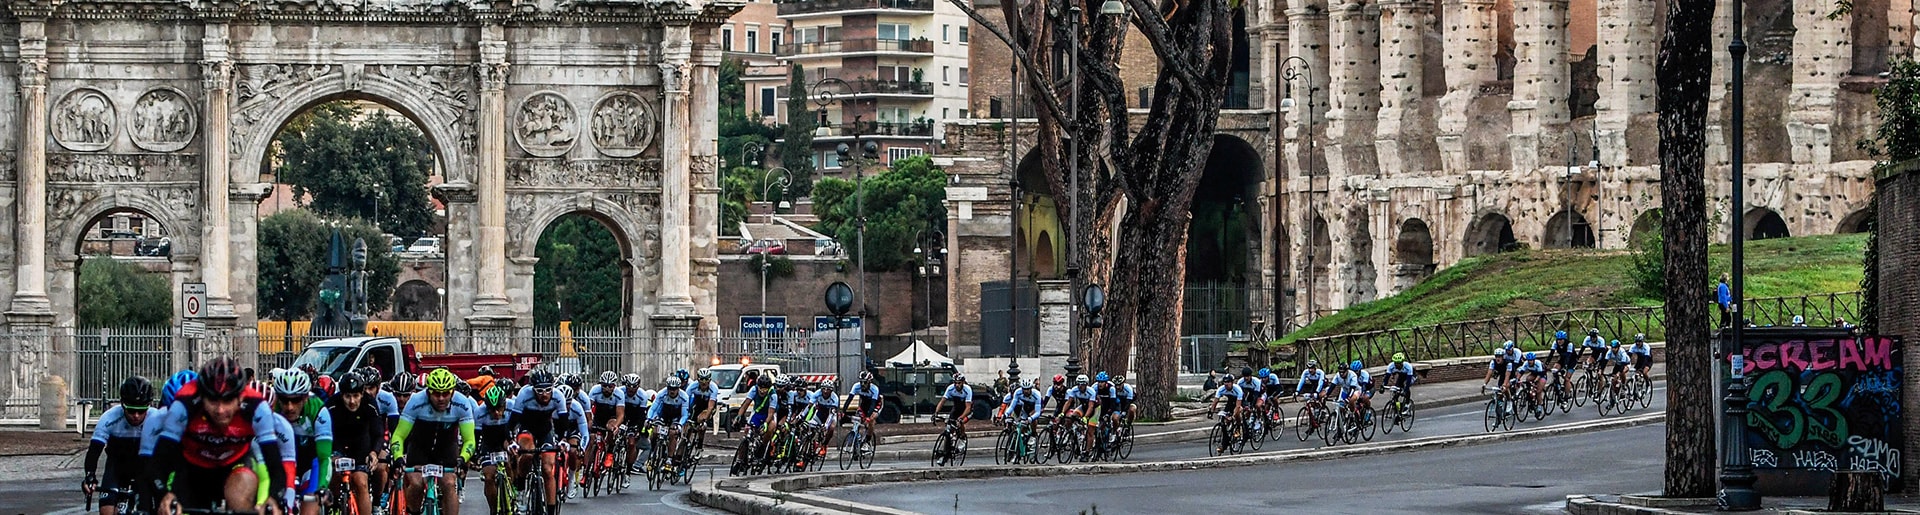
<point>1563,351</point>
<point>1531,374</point>
<point>962,397</point>
<point>1107,402</point>
<point>1400,375</point>
<point>358,431</point>
<point>490,438</point>
<point>1124,392</point>
<point>638,403</point>
<point>118,435</point>
<point>1230,392</point>
<point>438,426</point>
<point>1595,345</point>
<point>1499,368</point>
<point>864,396</point>
<point>705,395</point>
<point>575,431</point>
<point>536,415</point>
<point>1357,385</point>
<point>1642,355</point>
<point>608,402</point>
<point>1057,394</point>
<point>283,430</point>
<point>481,380</point>
<point>826,407</point>
<point>150,433</point>
<point>1313,377</point>
<point>671,411</point>
<point>1270,385</point>
<point>295,400</point>
<point>1250,388</point>
<point>760,408</point>
<point>790,399</point>
<point>1619,358</point>
<point>206,438</point>
<point>1024,404</point>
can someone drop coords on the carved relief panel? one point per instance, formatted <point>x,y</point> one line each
<point>83,121</point>
<point>545,125</point>
<point>163,121</point>
<point>623,124</point>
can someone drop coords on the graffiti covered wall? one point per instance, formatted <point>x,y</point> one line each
<point>1818,405</point>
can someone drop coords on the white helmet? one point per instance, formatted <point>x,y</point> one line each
<point>1081,379</point>
<point>292,382</point>
<point>1027,383</point>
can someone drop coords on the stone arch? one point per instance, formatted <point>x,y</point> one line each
<point>1763,224</point>
<point>447,136</point>
<point>1412,254</point>
<point>1490,233</point>
<point>1043,254</point>
<point>1360,272</point>
<point>1568,229</point>
<point>1040,216</point>
<point>1645,225</point>
<point>616,219</point>
<point>1226,200</point>
<point>416,300</point>
<point>1855,222</point>
<point>62,287</point>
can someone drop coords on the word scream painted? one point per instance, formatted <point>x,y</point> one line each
<point>1825,405</point>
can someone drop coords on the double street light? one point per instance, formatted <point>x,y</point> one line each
<point>870,151</point>
<point>753,152</point>
<point>929,268</point>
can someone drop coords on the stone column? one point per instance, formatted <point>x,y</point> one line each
<point>675,163</point>
<point>30,194</point>
<point>704,165</point>
<point>491,124</point>
<point>1355,89</point>
<point>1307,37</point>
<point>1629,43</point>
<point>216,78</point>
<point>1540,85</point>
<point>1717,90</point>
<point>1470,45</point>
<point>1822,54</point>
<point>1399,141</point>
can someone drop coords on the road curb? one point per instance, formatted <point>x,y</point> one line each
<point>1588,505</point>
<point>783,495</point>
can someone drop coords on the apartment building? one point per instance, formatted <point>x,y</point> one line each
<point>894,69</point>
<point>753,36</point>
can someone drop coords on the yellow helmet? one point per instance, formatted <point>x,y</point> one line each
<point>442,380</point>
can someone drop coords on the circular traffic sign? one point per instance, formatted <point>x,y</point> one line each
<point>193,306</point>
<point>839,298</point>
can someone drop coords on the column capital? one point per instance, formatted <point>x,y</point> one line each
<point>33,72</point>
<point>492,76</point>
<point>216,75</point>
<point>673,76</point>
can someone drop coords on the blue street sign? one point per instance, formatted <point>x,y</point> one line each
<point>825,323</point>
<point>753,325</point>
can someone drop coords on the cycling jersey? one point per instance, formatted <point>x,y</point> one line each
<point>1024,404</point>
<point>1400,374</point>
<point>1125,394</point>
<point>703,393</point>
<point>1531,367</point>
<point>356,433</point>
<point>1250,386</point>
<point>150,432</point>
<point>1270,386</point>
<point>1595,344</point>
<point>824,402</point>
<point>606,400</point>
<point>313,435</point>
<point>538,418</point>
<point>188,439</point>
<point>432,432</point>
<point>1057,395</point>
<point>1357,380</point>
<point>490,431</point>
<point>1501,367</point>
<point>1619,356</point>
<point>119,438</point>
<point>869,394</point>
<point>960,397</point>
<point>389,406</point>
<point>1231,392</point>
<point>1313,376</point>
<point>573,427</point>
<point>671,407</point>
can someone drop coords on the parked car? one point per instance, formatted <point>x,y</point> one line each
<point>397,244</point>
<point>427,245</point>
<point>767,246</point>
<point>828,247</point>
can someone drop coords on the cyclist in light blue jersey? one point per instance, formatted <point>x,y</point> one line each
<point>1311,380</point>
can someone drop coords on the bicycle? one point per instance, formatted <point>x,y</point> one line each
<point>657,467</point>
<point>1224,438</point>
<point>1312,417</point>
<point>430,475</point>
<point>857,447</point>
<point>1015,444</point>
<point>1124,444</point>
<point>1499,412</point>
<point>504,495</point>
<point>1255,431</point>
<point>1399,412</point>
<point>537,482</point>
<point>128,502</point>
<point>948,448</point>
<point>340,494</point>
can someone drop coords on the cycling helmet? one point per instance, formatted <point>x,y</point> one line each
<point>630,380</point>
<point>1101,377</point>
<point>1593,332</point>
<point>1640,338</point>
<point>1399,357</point>
<point>1119,380</point>
<point>1313,363</point>
<point>1059,379</point>
<point>563,392</point>
<point>179,379</point>
<point>403,383</point>
<point>486,370</point>
<point>507,386</point>
<point>673,383</point>
<point>682,374</point>
<point>1080,379</point>
<point>1616,343</point>
<point>1357,365</point>
<point>292,383</point>
<point>827,384</point>
<point>865,377</point>
<point>1246,371</point>
<point>136,393</point>
<point>1499,354</point>
<point>1508,345</point>
<point>1559,335</point>
<point>266,390</point>
<point>323,386</point>
<point>609,377</point>
<point>540,379</point>
<point>369,376</point>
<point>959,378</point>
<point>442,380</point>
<point>494,397</point>
<point>1531,357</point>
<point>222,378</point>
<point>353,382</point>
<point>764,382</point>
<point>573,381</point>
<point>1026,383</point>
<point>707,374</point>
<point>1797,320</point>
<point>1263,373</point>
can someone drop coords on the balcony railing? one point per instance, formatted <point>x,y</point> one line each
<point>867,86</point>
<point>921,129</point>
<point>918,46</point>
<point>794,7</point>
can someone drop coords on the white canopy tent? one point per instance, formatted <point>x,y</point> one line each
<point>919,353</point>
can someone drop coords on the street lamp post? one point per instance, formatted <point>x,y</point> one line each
<point>1292,68</point>
<point>929,267</point>
<point>869,150</point>
<point>786,176</point>
<point>1736,472</point>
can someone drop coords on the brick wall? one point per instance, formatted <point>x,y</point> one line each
<point>801,297</point>
<point>992,63</point>
<point>1898,301</point>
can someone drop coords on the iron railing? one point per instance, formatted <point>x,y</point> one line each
<point>793,7</point>
<point>917,46</point>
<point>1536,331</point>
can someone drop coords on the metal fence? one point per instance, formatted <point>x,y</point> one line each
<point>93,361</point>
<point>1536,331</point>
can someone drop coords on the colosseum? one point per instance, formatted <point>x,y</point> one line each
<point>1416,134</point>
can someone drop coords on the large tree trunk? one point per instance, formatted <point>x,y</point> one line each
<point>1156,260</point>
<point>1684,52</point>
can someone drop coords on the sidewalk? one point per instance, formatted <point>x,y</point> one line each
<point>1648,504</point>
<point>27,455</point>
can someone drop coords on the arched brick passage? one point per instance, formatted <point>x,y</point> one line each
<point>1764,224</point>
<point>1564,233</point>
<point>1412,254</point>
<point>1492,233</point>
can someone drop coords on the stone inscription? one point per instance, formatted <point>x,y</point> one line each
<point>163,121</point>
<point>121,167</point>
<point>84,121</point>
<point>622,125</point>
<point>585,173</point>
<point>546,125</point>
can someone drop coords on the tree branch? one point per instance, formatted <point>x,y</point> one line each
<point>1048,100</point>
<point>1160,36</point>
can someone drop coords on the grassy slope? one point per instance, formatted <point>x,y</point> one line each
<point>1524,282</point>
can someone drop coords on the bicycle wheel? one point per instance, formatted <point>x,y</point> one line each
<point>1369,426</point>
<point>1256,431</point>
<point>1646,392</point>
<point>1126,441</point>
<point>1303,423</point>
<point>941,447</point>
<point>1217,440</point>
<point>1582,391</point>
<point>850,448</point>
<point>536,493</point>
<point>960,451</point>
<point>1332,429</point>
<point>1405,419</point>
<point>1492,415</point>
<point>1003,451</point>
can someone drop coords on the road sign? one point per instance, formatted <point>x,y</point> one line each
<point>825,323</point>
<point>754,325</point>
<point>193,300</point>
<point>193,329</point>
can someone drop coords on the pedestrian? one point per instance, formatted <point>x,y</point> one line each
<point>1726,302</point>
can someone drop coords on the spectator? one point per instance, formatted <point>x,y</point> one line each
<point>1725,295</point>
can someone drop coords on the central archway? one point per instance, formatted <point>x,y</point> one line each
<point>1765,224</point>
<point>1568,229</point>
<point>1412,254</point>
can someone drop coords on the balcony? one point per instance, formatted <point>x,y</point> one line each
<point>801,8</point>
<point>868,87</point>
<point>920,129</point>
<point>852,46</point>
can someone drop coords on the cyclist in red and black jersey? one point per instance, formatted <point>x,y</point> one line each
<point>204,444</point>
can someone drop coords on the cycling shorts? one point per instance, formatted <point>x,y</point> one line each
<point>757,419</point>
<point>1233,405</point>
<point>956,409</point>
<point>1643,361</point>
<point>821,412</point>
<point>633,421</point>
<point>1567,359</point>
<point>1596,352</point>
<point>196,487</point>
<point>868,407</point>
<point>424,448</point>
<point>1619,366</point>
<point>603,413</point>
<point>116,478</point>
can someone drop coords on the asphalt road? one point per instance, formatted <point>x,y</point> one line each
<point>62,497</point>
<point>1518,477</point>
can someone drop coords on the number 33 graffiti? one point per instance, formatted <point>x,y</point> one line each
<point>1788,416</point>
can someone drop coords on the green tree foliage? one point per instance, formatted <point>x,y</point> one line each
<point>901,201</point>
<point>1897,140</point>
<point>796,150</point>
<point>740,125</point>
<point>1649,261</point>
<point>293,261</point>
<point>112,293</point>
<point>376,166</point>
<point>580,276</point>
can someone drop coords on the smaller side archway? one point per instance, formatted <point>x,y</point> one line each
<point>1855,222</point>
<point>416,300</point>
<point>1646,225</point>
<point>1492,233</point>
<point>1765,224</point>
<point>1318,247</point>
<point>1412,254</point>
<point>1568,229</point>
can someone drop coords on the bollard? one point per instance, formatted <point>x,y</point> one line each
<point>53,402</point>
